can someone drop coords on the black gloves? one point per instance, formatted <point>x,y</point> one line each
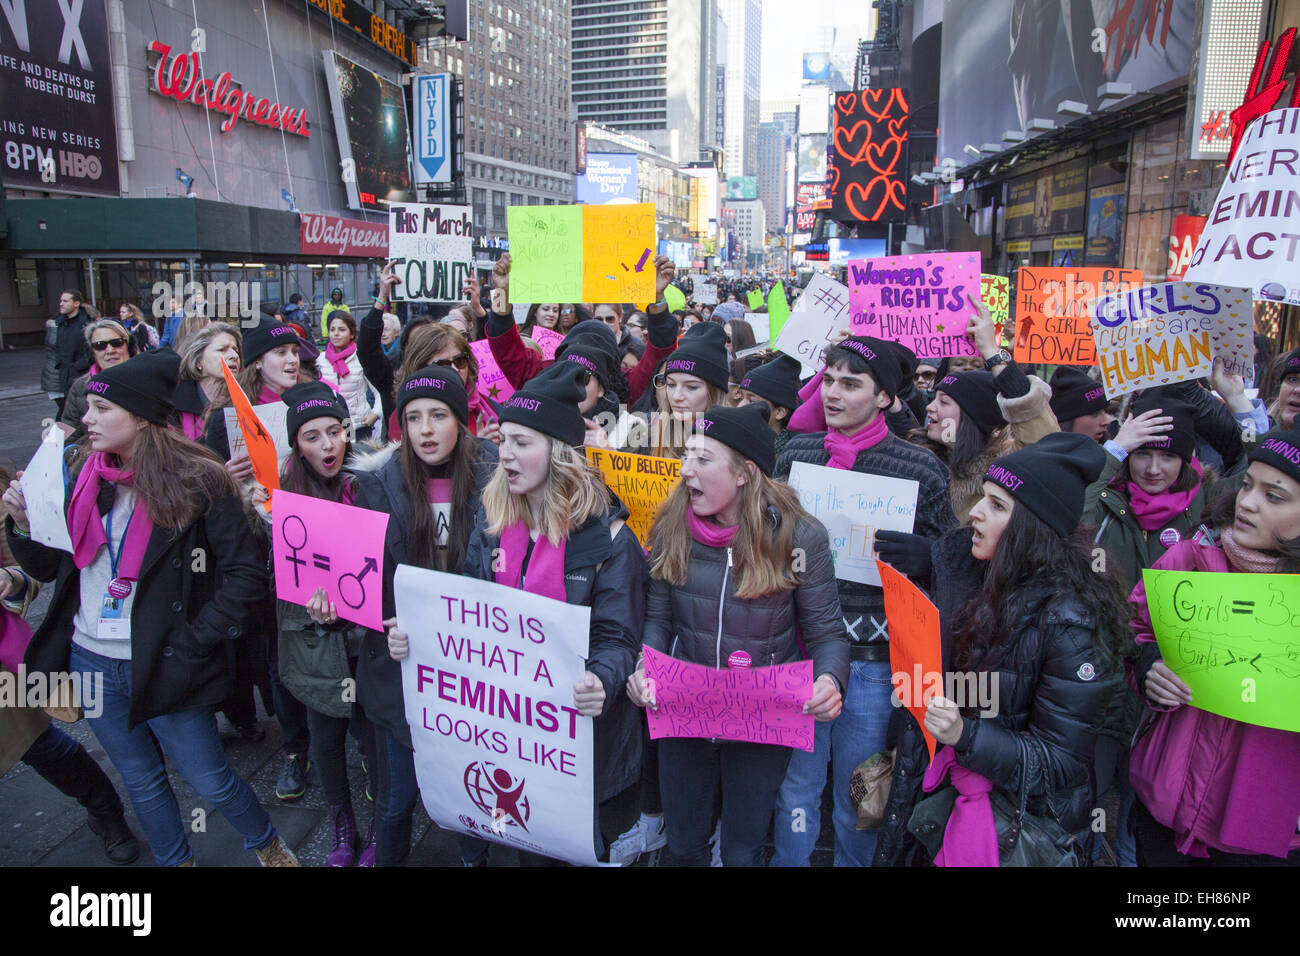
<point>908,553</point>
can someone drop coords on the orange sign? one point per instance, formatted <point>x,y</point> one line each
<point>915,655</point>
<point>1053,323</point>
<point>261,447</point>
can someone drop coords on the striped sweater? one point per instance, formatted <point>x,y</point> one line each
<point>863,604</point>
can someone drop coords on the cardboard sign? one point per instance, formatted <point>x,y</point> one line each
<point>258,442</point>
<point>548,339</point>
<point>317,543</point>
<point>1052,317</point>
<point>1172,332</point>
<point>1250,236</point>
<point>273,416</point>
<point>760,322</point>
<point>821,311</point>
<point>500,751</point>
<point>42,485</point>
<point>919,300</point>
<point>492,381</point>
<point>642,482</point>
<point>854,506</point>
<point>760,705</point>
<point>582,253</point>
<point>995,294</point>
<point>1234,639</point>
<point>434,251</point>
<point>915,651</point>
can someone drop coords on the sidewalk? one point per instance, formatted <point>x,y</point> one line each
<point>20,372</point>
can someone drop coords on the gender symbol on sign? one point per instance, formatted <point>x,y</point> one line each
<point>495,792</point>
<point>356,587</point>
<point>300,532</point>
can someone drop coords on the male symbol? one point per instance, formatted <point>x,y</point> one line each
<point>350,585</point>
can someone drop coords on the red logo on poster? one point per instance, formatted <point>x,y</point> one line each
<point>494,791</point>
<point>1264,93</point>
<point>1183,238</point>
<point>868,156</point>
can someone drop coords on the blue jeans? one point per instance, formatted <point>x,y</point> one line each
<point>857,733</point>
<point>190,739</point>
<point>395,801</point>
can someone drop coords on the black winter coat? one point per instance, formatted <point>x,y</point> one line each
<point>71,353</point>
<point>607,574</point>
<point>381,487</point>
<point>183,621</point>
<point>687,622</point>
<point>1053,683</point>
<point>375,364</point>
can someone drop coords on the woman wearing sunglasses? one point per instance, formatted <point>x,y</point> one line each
<point>110,344</point>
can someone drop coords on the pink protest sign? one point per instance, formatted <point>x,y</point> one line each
<point>491,380</point>
<point>548,339</point>
<point>919,300</point>
<point>323,544</point>
<point>761,705</point>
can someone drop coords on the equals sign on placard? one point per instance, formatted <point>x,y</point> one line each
<point>321,561</point>
<point>1243,607</point>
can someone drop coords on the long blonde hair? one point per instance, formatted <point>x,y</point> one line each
<point>668,434</point>
<point>574,492</point>
<point>765,559</point>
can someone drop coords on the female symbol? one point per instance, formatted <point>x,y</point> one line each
<point>299,532</point>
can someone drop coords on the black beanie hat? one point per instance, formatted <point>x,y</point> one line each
<point>437,382</point>
<point>1181,439</point>
<point>1075,394</point>
<point>266,335</point>
<point>881,358</point>
<point>1280,448</point>
<point>744,429</point>
<point>907,361</point>
<point>1050,477</point>
<point>590,353</point>
<point>702,352</point>
<point>594,327</point>
<point>143,385</point>
<point>308,400</point>
<point>977,396</point>
<point>549,403</point>
<point>1292,364</point>
<point>777,381</point>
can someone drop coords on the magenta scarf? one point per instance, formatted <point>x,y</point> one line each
<point>338,358</point>
<point>1155,511</point>
<point>481,411</point>
<point>709,533</point>
<point>86,527</point>
<point>192,425</point>
<point>438,490</point>
<point>94,369</point>
<point>546,569</point>
<point>971,837</point>
<point>15,635</point>
<point>809,416</point>
<point>267,395</point>
<point>844,449</point>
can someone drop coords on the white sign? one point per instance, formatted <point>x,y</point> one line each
<point>1252,236</point>
<point>433,246</point>
<point>272,415</point>
<point>854,506</point>
<point>42,485</point>
<point>821,311</point>
<point>706,293</point>
<point>432,137</point>
<point>759,322</point>
<point>500,751</point>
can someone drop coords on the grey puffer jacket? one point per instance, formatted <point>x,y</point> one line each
<point>704,622</point>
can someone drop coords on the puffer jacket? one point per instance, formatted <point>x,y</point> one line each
<point>1052,683</point>
<point>604,569</point>
<point>703,621</point>
<point>352,388</point>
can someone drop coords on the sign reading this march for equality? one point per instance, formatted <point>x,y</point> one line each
<point>760,705</point>
<point>919,300</point>
<point>1234,639</point>
<point>1172,332</point>
<point>1052,319</point>
<point>433,251</point>
<point>582,253</point>
<point>1252,235</point>
<point>854,506</point>
<point>642,482</point>
<point>501,753</point>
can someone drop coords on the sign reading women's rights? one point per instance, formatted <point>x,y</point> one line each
<point>821,311</point>
<point>433,248</point>
<point>1234,639</point>
<point>759,705</point>
<point>918,300</point>
<point>500,751</point>
<point>642,482</point>
<point>1252,237</point>
<point>1052,323</point>
<point>854,506</point>
<point>1172,332</point>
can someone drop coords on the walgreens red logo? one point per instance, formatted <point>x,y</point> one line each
<point>181,77</point>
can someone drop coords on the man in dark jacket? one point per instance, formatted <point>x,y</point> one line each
<point>71,354</point>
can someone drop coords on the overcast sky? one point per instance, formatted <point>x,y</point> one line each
<point>791,27</point>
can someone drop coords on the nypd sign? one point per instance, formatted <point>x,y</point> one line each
<point>432,136</point>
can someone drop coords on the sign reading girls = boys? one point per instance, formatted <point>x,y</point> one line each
<point>919,300</point>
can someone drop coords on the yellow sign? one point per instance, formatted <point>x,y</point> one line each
<point>1021,245</point>
<point>642,482</point>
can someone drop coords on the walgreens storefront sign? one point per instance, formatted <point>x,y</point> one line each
<point>181,77</point>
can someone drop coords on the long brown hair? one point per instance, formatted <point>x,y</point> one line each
<point>299,477</point>
<point>424,343</point>
<point>463,468</point>
<point>764,553</point>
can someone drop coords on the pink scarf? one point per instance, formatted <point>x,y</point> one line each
<point>87,528</point>
<point>809,416</point>
<point>267,395</point>
<point>844,449</point>
<point>94,369</point>
<point>1156,511</point>
<point>709,533</point>
<point>349,495</point>
<point>545,570</point>
<point>481,411</point>
<point>1247,559</point>
<point>971,837</point>
<point>338,358</point>
<point>192,425</point>
<point>438,490</point>
<point>15,635</point>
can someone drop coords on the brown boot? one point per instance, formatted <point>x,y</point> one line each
<point>277,853</point>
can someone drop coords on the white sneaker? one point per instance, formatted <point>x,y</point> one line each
<point>715,845</point>
<point>648,833</point>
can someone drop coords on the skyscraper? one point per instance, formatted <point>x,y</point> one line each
<point>772,145</point>
<point>744,19</point>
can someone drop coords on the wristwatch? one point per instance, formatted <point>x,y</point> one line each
<point>993,361</point>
